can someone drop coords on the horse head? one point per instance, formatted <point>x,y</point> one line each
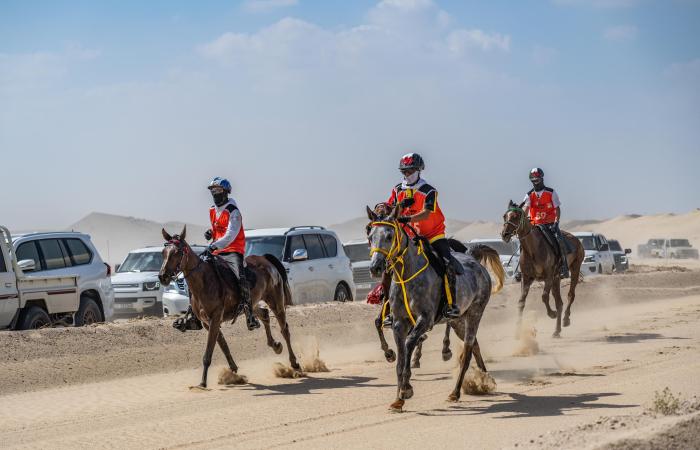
<point>174,252</point>
<point>512,220</point>
<point>384,238</point>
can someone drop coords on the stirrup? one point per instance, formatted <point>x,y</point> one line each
<point>451,312</point>
<point>388,321</point>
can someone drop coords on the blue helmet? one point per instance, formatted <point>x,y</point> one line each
<point>222,183</point>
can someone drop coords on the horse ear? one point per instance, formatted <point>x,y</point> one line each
<point>166,236</point>
<point>521,205</point>
<point>184,232</point>
<point>511,203</point>
<point>395,212</point>
<point>371,215</point>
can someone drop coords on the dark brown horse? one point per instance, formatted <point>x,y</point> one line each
<point>215,300</point>
<point>539,261</point>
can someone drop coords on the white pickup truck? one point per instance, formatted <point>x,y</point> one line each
<point>29,301</point>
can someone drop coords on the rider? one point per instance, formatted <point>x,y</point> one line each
<point>419,208</point>
<point>229,240</point>
<point>544,207</point>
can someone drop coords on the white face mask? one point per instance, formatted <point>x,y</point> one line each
<point>412,178</point>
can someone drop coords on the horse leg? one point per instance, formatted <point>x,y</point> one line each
<point>556,290</point>
<point>575,273</point>
<point>477,356</point>
<point>545,299</point>
<point>212,336</point>
<point>414,338</point>
<point>524,290</point>
<point>419,352</point>
<point>264,315</point>
<point>388,353</point>
<point>446,352</point>
<point>284,327</point>
<point>227,353</point>
<point>472,325</point>
<point>400,331</point>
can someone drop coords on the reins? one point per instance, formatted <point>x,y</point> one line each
<point>517,227</point>
<point>395,257</point>
<point>185,253</point>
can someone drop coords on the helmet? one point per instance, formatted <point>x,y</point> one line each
<point>222,183</point>
<point>536,173</point>
<point>411,161</point>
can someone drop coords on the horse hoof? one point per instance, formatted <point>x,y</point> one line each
<point>556,335</point>
<point>552,314</point>
<point>397,406</point>
<point>446,356</point>
<point>415,365</point>
<point>407,393</point>
<point>390,356</point>
<point>567,322</point>
<point>452,398</point>
<point>277,347</point>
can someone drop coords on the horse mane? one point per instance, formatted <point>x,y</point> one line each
<point>278,265</point>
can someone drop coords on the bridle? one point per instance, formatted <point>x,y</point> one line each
<point>395,258</point>
<point>184,253</point>
<point>517,227</point>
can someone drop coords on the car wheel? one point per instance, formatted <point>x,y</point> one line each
<point>34,318</point>
<point>88,313</point>
<point>342,294</point>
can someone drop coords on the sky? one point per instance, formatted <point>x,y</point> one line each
<point>130,107</point>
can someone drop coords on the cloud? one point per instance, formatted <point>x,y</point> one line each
<point>620,33</point>
<point>685,71</point>
<point>460,40</point>
<point>262,6</point>
<point>598,4</point>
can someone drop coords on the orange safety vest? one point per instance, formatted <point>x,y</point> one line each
<point>542,209</point>
<point>432,228</point>
<point>219,225</point>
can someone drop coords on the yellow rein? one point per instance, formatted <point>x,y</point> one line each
<point>394,256</point>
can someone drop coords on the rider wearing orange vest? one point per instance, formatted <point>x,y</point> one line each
<point>229,240</point>
<point>419,208</point>
<point>544,208</point>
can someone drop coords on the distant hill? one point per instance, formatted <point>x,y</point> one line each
<point>114,236</point>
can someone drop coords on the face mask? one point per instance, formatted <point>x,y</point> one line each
<point>219,198</point>
<point>538,184</point>
<point>412,178</point>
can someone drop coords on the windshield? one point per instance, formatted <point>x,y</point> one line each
<point>680,243</point>
<point>261,245</point>
<point>142,262</point>
<point>503,248</point>
<point>357,252</point>
<point>615,246</point>
<point>588,242</point>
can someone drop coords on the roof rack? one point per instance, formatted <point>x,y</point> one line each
<point>305,227</point>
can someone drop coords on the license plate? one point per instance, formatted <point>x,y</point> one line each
<point>122,306</point>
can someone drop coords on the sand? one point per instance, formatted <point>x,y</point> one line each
<point>126,385</point>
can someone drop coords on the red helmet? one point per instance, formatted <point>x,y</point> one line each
<point>536,173</point>
<point>411,161</point>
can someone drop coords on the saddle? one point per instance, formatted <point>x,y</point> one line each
<point>552,241</point>
<point>228,277</point>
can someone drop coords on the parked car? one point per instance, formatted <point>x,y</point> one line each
<point>622,262</point>
<point>647,250</point>
<point>675,249</point>
<point>599,258</point>
<point>509,252</point>
<point>137,291</point>
<point>52,278</point>
<point>318,268</point>
<point>358,252</point>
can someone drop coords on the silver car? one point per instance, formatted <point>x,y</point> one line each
<point>358,252</point>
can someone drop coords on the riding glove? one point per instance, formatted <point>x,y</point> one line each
<point>404,219</point>
<point>207,235</point>
<point>407,202</point>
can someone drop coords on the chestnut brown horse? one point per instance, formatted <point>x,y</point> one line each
<point>215,300</point>
<point>539,261</point>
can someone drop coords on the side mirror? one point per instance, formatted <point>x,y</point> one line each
<point>27,265</point>
<point>604,248</point>
<point>300,254</point>
<point>116,267</point>
<point>628,251</point>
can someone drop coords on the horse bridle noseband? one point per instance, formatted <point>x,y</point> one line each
<point>519,225</point>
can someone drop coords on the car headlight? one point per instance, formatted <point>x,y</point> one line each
<point>623,259</point>
<point>151,286</point>
<point>589,259</point>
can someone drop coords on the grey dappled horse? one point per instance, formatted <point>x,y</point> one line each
<point>393,249</point>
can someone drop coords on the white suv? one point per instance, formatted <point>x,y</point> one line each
<point>315,260</point>
<point>599,258</point>
<point>71,254</point>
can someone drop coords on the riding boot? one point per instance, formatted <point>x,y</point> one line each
<point>246,304</point>
<point>187,322</point>
<point>564,271</point>
<point>386,285</point>
<point>452,311</point>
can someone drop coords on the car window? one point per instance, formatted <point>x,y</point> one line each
<point>357,252</point>
<point>295,243</point>
<point>28,250</point>
<point>3,268</point>
<point>53,256</point>
<point>79,252</point>
<point>331,245</point>
<point>314,246</point>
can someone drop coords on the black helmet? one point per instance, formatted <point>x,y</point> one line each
<point>411,161</point>
<point>536,173</point>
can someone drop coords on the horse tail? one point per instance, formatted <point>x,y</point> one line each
<point>490,259</point>
<point>285,280</point>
